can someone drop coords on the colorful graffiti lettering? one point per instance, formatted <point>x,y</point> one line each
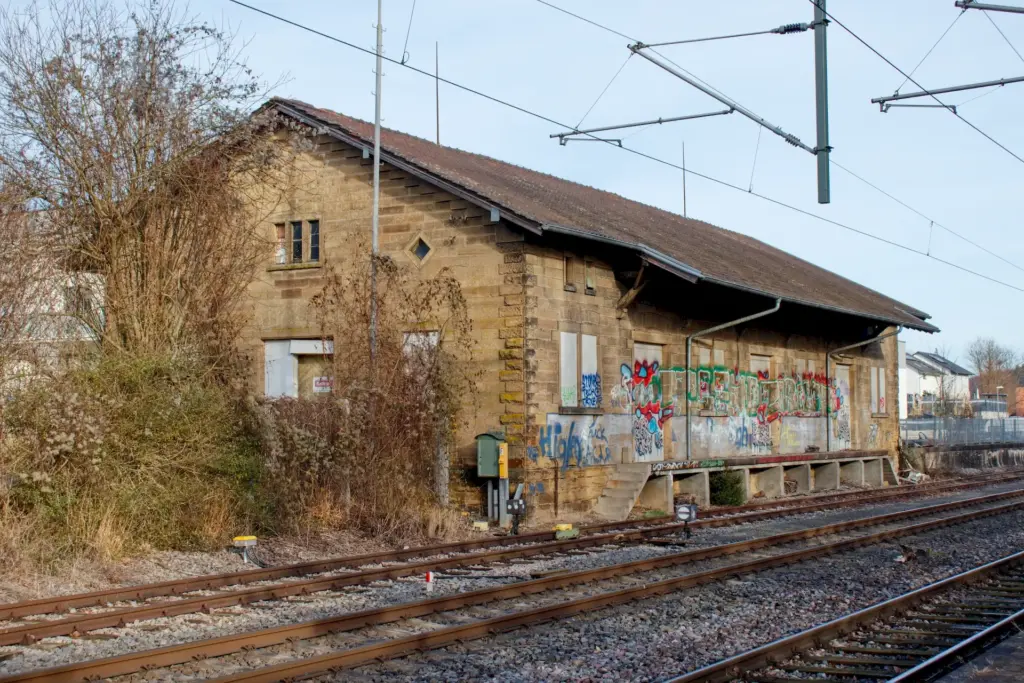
<point>590,390</point>
<point>648,419</point>
<point>730,391</point>
<point>737,408</point>
<point>580,441</point>
<point>841,408</point>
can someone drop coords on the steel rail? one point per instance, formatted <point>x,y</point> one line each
<point>447,636</point>
<point>951,658</point>
<point>83,622</point>
<point>731,515</point>
<point>733,667</point>
<point>176,654</point>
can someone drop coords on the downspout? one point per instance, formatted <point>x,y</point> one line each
<point>828,379</point>
<point>702,333</point>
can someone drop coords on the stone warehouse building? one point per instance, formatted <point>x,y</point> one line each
<point>584,304</point>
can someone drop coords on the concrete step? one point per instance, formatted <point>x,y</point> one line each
<point>621,490</point>
<point>625,483</point>
<point>632,475</point>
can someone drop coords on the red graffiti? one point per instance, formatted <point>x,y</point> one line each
<point>644,372</point>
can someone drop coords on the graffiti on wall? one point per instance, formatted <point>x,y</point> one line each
<point>649,415</point>
<point>841,407</point>
<point>590,390</point>
<point>726,391</point>
<point>581,440</point>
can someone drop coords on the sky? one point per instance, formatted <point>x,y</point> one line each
<point>544,61</point>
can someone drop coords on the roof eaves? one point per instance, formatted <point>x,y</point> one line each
<point>409,167</point>
<point>920,325</point>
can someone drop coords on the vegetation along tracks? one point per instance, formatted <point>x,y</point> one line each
<point>446,635</point>
<point>439,560</point>
<point>539,542</point>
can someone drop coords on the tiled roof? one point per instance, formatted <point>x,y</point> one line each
<point>686,246</point>
<point>921,367</point>
<point>944,363</point>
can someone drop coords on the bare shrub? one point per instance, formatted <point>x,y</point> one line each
<point>131,129</point>
<point>133,177</point>
<point>378,446</point>
<point>127,456</point>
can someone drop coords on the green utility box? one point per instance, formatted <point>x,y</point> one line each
<point>488,452</point>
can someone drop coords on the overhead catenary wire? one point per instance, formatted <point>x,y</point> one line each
<point>978,97</point>
<point>636,152</point>
<point>930,50</point>
<point>996,26</point>
<point>753,166</point>
<point>931,221</point>
<point>408,32</point>
<point>591,108</point>
<point>838,165</point>
<point>910,78</point>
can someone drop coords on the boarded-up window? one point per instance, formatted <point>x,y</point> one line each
<point>720,357</point>
<point>588,275</point>
<point>568,369</point>
<point>590,379</point>
<point>574,273</point>
<point>704,356</point>
<point>761,365</point>
<point>579,376</point>
<point>877,390</point>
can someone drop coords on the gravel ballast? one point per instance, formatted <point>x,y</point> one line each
<point>653,639</point>
<point>161,632</point>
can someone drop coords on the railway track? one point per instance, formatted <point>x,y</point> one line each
<point>460,607</point>
<point>628,531</point>
<point>26,623</point>
<point>914,638</point>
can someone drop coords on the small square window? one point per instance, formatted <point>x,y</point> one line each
<point>420,249</point>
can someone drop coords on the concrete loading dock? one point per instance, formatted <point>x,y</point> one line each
<point>671,480</point>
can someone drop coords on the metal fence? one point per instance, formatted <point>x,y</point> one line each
<point>956,431</point>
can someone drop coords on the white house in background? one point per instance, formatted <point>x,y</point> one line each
<point>931,383</point>
<point>60,310</point>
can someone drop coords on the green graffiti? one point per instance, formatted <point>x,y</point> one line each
<point>733,392</point>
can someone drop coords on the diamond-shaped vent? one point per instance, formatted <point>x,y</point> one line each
<point>420,249</point>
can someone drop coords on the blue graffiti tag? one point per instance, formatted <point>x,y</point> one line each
<point>580,446</point>
<point>590,390</point>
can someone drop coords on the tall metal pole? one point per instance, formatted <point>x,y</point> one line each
<point>821,100</point>
<point>684,178</point>
<point>437,92</point>
<point>376,184</point>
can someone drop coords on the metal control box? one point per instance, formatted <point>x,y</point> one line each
<point>489,447</point>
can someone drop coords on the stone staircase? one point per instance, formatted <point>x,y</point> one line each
<point>622,490</point>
